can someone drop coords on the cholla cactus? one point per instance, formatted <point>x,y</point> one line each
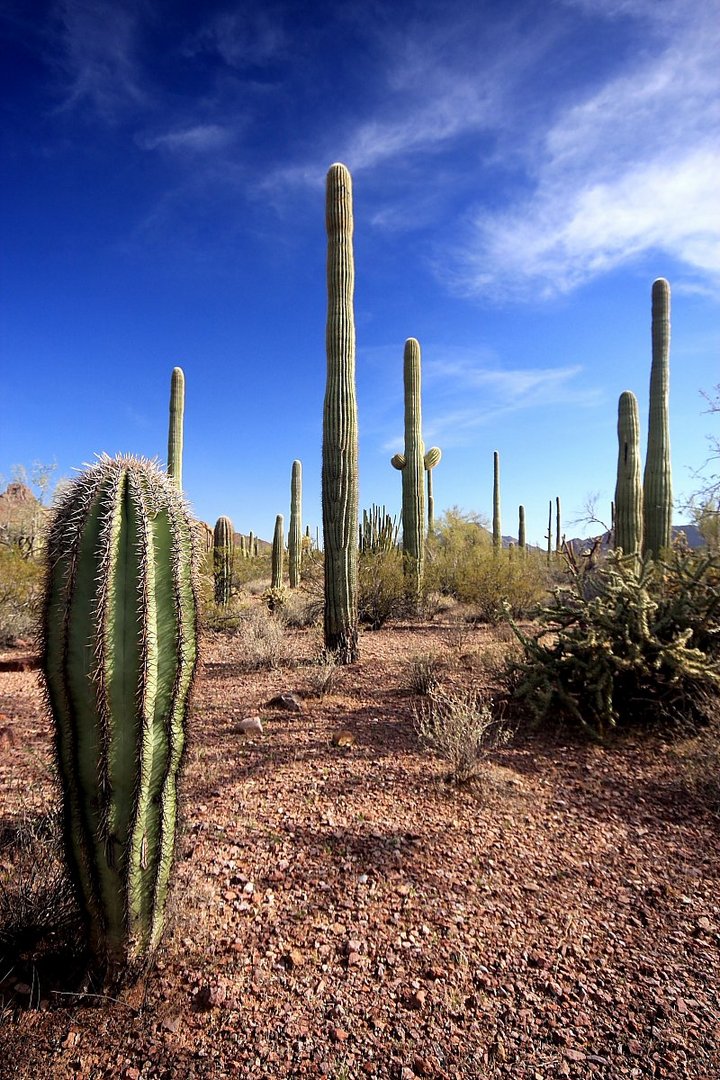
<point>340,435</point>
<point>223,557</point>
<point>175,433</point>
<point>119,657</point>
<point>295,536</point>
<point>657,481</point>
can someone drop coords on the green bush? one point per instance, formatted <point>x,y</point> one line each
<point>381,587</point>
<point>641,648</point>
<point>21,591</point>
<point>462,563</point>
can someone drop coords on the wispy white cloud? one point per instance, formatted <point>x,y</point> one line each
<point>200,138</point>
<point>630,170</point>
<point>97,56</point>
<point>242,38</point>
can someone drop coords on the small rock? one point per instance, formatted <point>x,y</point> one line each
<point>295,958</point>
<point>343,738</point>
<point>248,888</point>
<point>251,725</point>
<point>339,1034</point>
<point>288,702</point>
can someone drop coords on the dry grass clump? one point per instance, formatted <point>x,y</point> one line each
<point>324,674</point>
<point>460,726</point>
<point>424,672</point>
<point>263,642</point>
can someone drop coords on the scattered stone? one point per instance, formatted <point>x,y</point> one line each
<point>251,725</point>
<point>288,702</point>
<point>343,738</point>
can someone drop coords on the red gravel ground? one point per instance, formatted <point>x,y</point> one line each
<point>344,912</point>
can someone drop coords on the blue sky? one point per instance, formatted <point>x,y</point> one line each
<point>522,173</point>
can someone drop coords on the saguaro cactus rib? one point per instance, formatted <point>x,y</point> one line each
<point>119,657</point>
<point>340,437</point>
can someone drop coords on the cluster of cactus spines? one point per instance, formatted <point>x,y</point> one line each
<point>657,480</point>
<point>119,657</point>
<point>295,545</point>
<point>522,544</point>
<point>223,554</point>
<point>432,458</point>
<point>412,465</point>
<point>340,432</point>
<point>175,430</point>
<point>496,524</point>
<point>378,532</point>
<point>628,512</point>
<point>278,550</point>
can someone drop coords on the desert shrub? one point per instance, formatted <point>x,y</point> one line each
<point>641,649</point>
<point>381,587</point>
<point>324,674</point>
<point>21,592</point>
<point>698,765</point>
<point>460,726</point>
<point>424,672</point>
<point>462,564</point>
<point>37,904</point>
<point>302,608</point>
<point>263,643</point>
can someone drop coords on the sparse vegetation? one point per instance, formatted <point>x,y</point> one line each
<point>460,726</point>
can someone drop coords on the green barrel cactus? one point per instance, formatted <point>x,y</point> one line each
<point>628,505</point>
<point>340,432</point>
<point>657,480</point>
<point>295,544</point>
<point>278,551</point>
<point>119,658</point>
<point>223,556</point>
<point>175,432</point>
<point>496,524</point>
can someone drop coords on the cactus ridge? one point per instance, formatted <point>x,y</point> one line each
<point>119,656</point>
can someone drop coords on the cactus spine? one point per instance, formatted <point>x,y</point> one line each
<point>119,657</point>
<point>657,481</point>
<point>521,529</point>
<point>496,526</point>
<point>432,458</point>
<point>223,553</point>
<point>278,549</point>
<point>340,435</point>
<point>175,432</point>
<point>628,512</point>
<point>295,544</point>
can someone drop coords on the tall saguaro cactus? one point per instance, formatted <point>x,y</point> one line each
<point>628,489</point>
<point>223,555</point>
<point>657,481</point>
<point>295,544</point>
<point>119,657</point>
<point>175,431</point>
<point>496,526</point>
<point>340,433</point>
<point>558,525</point>
<point>278,550</point>
<point>522,544</point>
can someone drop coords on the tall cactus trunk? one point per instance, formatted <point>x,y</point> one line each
<point>549,533</point>
<point>278,551</point>
<point>496,525</point>
<point>175,432</point>
<point>295,544</point>
<point>521,529</point>
<point>119,657</point>
<point>628,512</point>
<point>413,479</point>
<point>340,434</point>
<point>558,526</point>
<point>223,555</point>
<point>657,482</point>
<point>432,458</point>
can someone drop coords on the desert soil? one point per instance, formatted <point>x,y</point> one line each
<point>342,911</point>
